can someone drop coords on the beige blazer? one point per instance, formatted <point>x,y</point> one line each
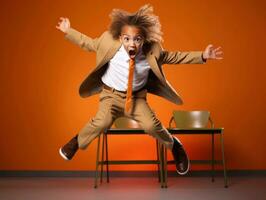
<point>106,47</point>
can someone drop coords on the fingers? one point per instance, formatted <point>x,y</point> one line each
<point>219,53</point>
<point>209,47</point>
<point>60,22</point>
<point>217,49</point>
<point>213,53</point>
<point>63,22</point>
<point>64,19</point>
<point>58,25</point>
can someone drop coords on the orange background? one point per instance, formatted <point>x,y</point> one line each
<point>41,73</point>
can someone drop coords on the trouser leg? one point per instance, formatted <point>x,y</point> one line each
<point>143,114</point>
<point>103,119</point>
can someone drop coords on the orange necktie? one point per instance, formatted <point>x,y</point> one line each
<point>128,103</point>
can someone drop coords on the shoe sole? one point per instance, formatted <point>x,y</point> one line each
<point>185,172</point>
<point>62,155</point>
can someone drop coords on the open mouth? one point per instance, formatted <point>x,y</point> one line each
<point>132,53</point>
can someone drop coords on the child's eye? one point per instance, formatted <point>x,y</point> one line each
<point>138,39</point>
<point>126,39</point>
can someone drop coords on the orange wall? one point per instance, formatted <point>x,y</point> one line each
<point>41,73</point>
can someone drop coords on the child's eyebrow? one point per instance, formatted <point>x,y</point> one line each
<point>133,37</point>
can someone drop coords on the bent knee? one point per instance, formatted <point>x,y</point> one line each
<point>101,124</point>
<point>150,127</point>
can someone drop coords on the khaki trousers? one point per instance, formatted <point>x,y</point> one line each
<point>111,106</point>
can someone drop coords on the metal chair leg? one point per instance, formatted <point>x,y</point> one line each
<point>102,160</point>
<point>158,159</point>
<point>161,164</point>
<point>165,167</point>
<point>212,157</point>
<point>224,168</point>
<point>106,158</point>
<point>97,162</point>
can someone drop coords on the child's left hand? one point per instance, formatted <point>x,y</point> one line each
<point>211,53</point>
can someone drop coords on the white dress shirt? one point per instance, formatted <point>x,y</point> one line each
<point>116,74</point>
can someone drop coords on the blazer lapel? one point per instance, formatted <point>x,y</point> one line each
<point>154,66</point>
<point>116,44</point>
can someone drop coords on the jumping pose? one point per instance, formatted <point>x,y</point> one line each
<point>129,59</point>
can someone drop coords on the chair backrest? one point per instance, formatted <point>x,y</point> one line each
<point>125,122</point>
<point>191,119</point>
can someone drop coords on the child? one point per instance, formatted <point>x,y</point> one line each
<point>128,66</point>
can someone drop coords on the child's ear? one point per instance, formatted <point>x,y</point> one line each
<point>120,38</point>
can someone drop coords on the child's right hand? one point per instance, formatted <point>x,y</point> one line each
<point>63,25</point>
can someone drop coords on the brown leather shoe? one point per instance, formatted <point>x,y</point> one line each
<point>69,149</point>
<point>180,157</point>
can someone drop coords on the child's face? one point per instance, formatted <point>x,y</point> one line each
<point>132,40</point>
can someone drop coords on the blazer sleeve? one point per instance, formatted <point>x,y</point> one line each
<point>192,57</point>
<point>83,41</point>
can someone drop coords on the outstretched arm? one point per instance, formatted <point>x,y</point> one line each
<point>191,57</point>
<point>76,37</point>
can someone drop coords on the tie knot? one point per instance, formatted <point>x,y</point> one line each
<point>132,61</point>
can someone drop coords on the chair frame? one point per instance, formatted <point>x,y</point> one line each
<point>161,151</point>
<point>105,160</point>
<point>211,131</point>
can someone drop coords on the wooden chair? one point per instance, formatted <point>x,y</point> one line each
<point>124,126</point>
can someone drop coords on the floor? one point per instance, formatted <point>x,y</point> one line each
<point>137,188</point>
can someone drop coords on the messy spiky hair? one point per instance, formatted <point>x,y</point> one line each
<point>144,19</point>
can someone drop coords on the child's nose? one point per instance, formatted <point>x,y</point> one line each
<point>131,43</point>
